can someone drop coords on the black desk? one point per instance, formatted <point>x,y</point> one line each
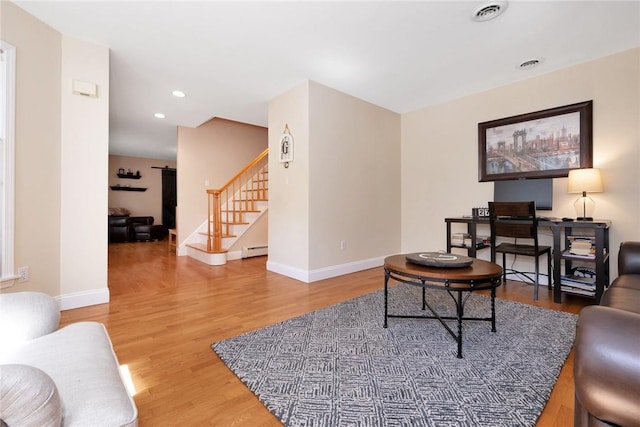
<point>599,229</point>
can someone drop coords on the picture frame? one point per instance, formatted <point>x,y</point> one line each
<point>542,144</point>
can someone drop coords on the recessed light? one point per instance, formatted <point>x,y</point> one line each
<point>489,10</point>
<point>159,116</point>
<point>178,94</point>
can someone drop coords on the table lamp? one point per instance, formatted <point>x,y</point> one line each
<point>584,181</point>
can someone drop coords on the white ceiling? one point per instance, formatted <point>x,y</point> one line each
<point>231,58</point>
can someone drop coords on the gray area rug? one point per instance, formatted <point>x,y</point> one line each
<point>339,367</point>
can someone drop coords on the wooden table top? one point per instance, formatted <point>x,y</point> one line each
<point>479,270</point>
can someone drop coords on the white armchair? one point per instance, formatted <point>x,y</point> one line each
<point>57,377</point>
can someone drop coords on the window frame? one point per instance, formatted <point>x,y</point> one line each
<point>7,163</point>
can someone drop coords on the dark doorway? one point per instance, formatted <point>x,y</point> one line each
<point>169,197</point>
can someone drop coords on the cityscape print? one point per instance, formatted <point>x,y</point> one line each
<point>549,143</point>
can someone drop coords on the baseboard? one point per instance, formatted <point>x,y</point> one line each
<point>286,270</point>
<point>350,267</point>
<point>217,258</point>
<point>309,276</point>
<point>83,299</point>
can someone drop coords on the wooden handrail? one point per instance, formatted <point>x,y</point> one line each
<point>237,198</point>
<point>246,168</point>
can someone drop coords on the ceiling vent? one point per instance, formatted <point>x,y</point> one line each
<point>531,63</point>
<point>488,11</point>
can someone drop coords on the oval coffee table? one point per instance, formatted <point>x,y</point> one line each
<point>480,275</point>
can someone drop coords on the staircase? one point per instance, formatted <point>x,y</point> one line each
<point>232,210</point>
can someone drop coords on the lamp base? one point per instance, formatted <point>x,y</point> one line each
<point>584,206</point>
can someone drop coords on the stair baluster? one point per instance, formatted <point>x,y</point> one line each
<point>226,205</point>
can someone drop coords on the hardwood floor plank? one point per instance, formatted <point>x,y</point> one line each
<point>166,311</point>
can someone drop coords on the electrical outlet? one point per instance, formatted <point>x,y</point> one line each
<point>343,245</point>
<point>23,272</point>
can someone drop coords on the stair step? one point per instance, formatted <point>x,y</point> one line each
<point>240,211</point>
<point>203,247</point>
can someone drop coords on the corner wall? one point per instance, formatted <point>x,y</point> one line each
<point>335,209</point>
<point>208,157</point>
<point>61,162</point>
<point>289,187</point>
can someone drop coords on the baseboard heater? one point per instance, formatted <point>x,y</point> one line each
<point>254,251</point>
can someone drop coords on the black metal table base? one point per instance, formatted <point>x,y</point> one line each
<point>459,301</point>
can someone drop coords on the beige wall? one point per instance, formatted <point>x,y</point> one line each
<point>147,203</point>
<point>289,187</point>
<point>208,157</point>
<point>354,187</point>
<point>38,148</point>
<point>343,185</point>
<point>84,160</point>
<point>439,149</point>
<point>61,162</point>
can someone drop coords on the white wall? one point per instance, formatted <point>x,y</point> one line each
<point>439,149</point>
<point>343,185</point>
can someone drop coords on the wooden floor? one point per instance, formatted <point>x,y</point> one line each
<point>165,311</point>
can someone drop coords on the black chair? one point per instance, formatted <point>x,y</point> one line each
<point>517,220</point>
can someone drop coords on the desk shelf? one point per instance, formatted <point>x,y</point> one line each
<point>597,230</point>
<point>478,247</point>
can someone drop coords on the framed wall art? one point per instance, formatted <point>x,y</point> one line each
<point>286,147</point>
<point>542,144</point>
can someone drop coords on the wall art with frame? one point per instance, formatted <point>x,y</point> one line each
<point>542,144</point>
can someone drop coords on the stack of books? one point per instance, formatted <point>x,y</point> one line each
<point>457,239</point>
<point>582,246</point>
<point>583,285</point>
<point>464,240</point>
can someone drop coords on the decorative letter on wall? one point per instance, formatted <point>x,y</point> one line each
<point>286,147</point>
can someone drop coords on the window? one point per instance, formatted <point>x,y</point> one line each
<point>7,159</point>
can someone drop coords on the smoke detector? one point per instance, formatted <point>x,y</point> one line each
<point>489,10</point>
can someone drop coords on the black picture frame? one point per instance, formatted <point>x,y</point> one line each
<point>542,144</point>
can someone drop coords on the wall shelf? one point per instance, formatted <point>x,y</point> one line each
<point>129,176</point>
<point>123,188</point>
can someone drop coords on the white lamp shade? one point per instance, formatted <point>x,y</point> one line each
<point>584,180</point>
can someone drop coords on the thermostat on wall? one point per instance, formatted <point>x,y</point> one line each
<point>85,89</point>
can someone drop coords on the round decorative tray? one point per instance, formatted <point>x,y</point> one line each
<point>439,259</point>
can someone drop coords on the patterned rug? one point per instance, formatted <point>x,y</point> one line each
<point>339,367</point>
